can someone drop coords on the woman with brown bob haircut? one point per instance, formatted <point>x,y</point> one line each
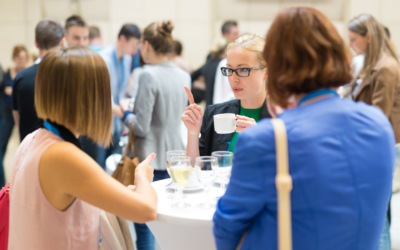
<point>55,187</point>
<point>341,153</point>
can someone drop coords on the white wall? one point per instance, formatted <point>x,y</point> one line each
<point>197,22</point>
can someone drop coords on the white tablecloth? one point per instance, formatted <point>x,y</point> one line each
<point>183,229</point>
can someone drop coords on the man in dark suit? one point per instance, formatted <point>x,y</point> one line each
<point>48,35</point>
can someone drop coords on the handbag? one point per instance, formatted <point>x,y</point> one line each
<point>283,182</point>
<point>4,216</point>
<point>115,232</point>
<point>125,170</point>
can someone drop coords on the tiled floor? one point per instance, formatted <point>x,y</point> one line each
<point>395,227</point>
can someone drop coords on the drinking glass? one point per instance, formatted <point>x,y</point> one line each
<point>225,159</point>
<point>168,156</point>
<point>205,168</point>
<point>180,169</point>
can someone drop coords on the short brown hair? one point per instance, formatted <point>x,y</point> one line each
<point>226,27</point>
<point>48,33</point>
<point>74,20</point>
<point>159,36</point>
<point>72,88</point>
<point>17,49</point>
<point>129,31</point>
<point>304,53</point>
<point>94,32</point>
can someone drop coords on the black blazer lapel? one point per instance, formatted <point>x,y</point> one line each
<point>264,111</point>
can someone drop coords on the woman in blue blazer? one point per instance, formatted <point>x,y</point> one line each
<point>341,153</point>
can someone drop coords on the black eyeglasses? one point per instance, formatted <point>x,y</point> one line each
<point>242,72</point>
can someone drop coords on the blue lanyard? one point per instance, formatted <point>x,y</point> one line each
<point>116,64</point>
<point>52,129</point>
<point>317,94</point>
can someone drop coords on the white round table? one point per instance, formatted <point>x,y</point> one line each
<point>186,228</point>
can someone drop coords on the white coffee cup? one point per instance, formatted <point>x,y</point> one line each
<point>225,123</point>
<point>193,181</point>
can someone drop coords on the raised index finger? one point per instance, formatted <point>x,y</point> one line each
<point>189,95</point>
<point>149,158</point>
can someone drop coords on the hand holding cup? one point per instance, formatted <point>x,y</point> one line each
<point>244,122</point>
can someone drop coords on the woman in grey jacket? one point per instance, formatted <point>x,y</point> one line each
<point>159,103</point>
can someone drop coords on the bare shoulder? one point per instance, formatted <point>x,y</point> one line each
<point>65,154</point>
<point>63,149</point>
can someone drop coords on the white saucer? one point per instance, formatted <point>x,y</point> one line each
<point>219,182</point>
<point>197,188</point>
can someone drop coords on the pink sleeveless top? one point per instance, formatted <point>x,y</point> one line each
<point>34,222</point>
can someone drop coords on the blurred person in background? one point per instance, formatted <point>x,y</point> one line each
<point>76,31</point>
<point>176,57</point>
<point>48,35</point>
<point>222,89</point>
<point>340,153</point>
<point>56,190</point>
<point>230,31</point>
<point>158,105</point>
<point>95,38</point>
<point>34,54</point>
<point>133,84</point>
<point>208,72</point>
<point>20,58</point>
<point>358,60</point>
<point>378,82</point>
<point>118,57</point>
<point>77,34</point>
<point>2,85</point>
<point>204,78</point>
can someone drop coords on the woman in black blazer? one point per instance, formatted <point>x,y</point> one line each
<point>246,70</point>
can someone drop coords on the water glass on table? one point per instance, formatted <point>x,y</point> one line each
<point>205,168</point>
<point>224,167</point>
<point>168,156</point>
<point>180,169</point>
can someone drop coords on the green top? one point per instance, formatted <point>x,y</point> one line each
<point>251,113</point>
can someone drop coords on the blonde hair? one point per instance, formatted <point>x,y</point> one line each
<point>254,43</point>
<point>366,24</point>
<point>72,88</point>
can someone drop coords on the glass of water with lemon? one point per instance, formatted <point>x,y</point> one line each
<point>180,169</point>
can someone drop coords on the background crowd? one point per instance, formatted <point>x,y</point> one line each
<point>138,84</point>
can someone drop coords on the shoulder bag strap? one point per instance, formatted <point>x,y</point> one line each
<point>131,140</point>
<point>283,185</point>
